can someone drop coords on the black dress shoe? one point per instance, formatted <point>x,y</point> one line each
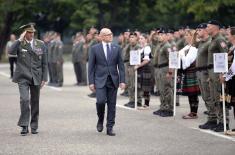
<point>99,127</point>
<point>24,131</point>
<point>34,131</point>
<point>92,95</point>
<point>110,132</point>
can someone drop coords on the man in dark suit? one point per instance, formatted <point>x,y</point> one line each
<point>30,74</point>
<point>105,60</point>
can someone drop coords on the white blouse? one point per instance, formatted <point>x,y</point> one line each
<point>147,51</point>
<point>190,57</point>
<point>231,71</point>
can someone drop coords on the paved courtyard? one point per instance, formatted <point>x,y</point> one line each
<point>67,125</point>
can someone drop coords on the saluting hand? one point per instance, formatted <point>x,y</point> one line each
<point>22,36</point>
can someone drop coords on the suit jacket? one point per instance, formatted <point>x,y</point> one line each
<point>99,68</point>
<point>31,63</point>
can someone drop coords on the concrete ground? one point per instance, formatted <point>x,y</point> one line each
<point>67,125</point>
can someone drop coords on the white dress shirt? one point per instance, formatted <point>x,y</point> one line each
<point>190,57</point>
<point>231,71</point>
<point>105,48</point>
<point>147,51</point>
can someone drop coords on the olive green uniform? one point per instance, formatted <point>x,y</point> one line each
<point>202,77</point>
<point>131,75</point>
<point>31,70</point>
<point>217,45</point>
<point>166,85</point>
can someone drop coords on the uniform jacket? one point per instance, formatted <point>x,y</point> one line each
<point>31,62</point>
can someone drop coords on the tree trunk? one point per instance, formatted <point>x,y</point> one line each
<point>5,32</point>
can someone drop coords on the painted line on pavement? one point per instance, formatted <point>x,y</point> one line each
<point>216,134</point>
<point>121,106</point>
<point>5,74</point>
<point>124,107</point>
<point>54,88</point>
<point>8,76</point>
<point>4,65</point>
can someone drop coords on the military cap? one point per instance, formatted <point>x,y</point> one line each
<point>162,30</point>
<point>186,27</point>
<point>170,31</point>
<point>133,33</point>
<point>158,28</point>
<point>202,26</point>
<point>232,30</point>
<point>214,22</point>
<point>28,27</point>
<point>181,28</point>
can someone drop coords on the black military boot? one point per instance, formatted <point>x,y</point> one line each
<point>157,112</point>
<point>208,125</point>
<point>167,113</point>
<point>220,127</point>
<point>130,104</point>
<point>24,131</point>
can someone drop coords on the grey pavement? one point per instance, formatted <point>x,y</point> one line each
<point>67,125</point>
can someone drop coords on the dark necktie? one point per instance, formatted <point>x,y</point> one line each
<point>108,52</point>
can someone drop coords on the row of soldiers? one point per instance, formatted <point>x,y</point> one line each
<point>162,41</point>
<point>213,38</point>
<point>55,48</point>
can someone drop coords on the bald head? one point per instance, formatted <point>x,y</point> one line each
<point>105,31</point>
<point>106,35</point>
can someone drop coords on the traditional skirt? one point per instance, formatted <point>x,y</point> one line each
<point>144,77</point>
<point>190,83</point>
<point>230,93</point>
<point>179,82</point>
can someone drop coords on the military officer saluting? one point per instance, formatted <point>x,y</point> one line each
<point>30,74</point>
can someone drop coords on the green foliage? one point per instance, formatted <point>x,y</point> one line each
<point>118,14</point>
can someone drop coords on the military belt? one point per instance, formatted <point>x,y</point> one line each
<point>201,68</point>
<point>162,65</point>
<point>210,66</point>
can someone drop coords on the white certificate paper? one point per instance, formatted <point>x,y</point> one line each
<point>220,62</point>
<point>135,57</point>
<point>174,60</point>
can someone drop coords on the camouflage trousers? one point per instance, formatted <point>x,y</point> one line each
<point>166,90</point>
<point>156,78</point>
<point>126,77</point>
<point>215,91</point>
<point>131,87</point>
<point>202,77</point>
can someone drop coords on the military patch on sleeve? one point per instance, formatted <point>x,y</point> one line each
<point>223,44</point>
<point>169,50</point>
